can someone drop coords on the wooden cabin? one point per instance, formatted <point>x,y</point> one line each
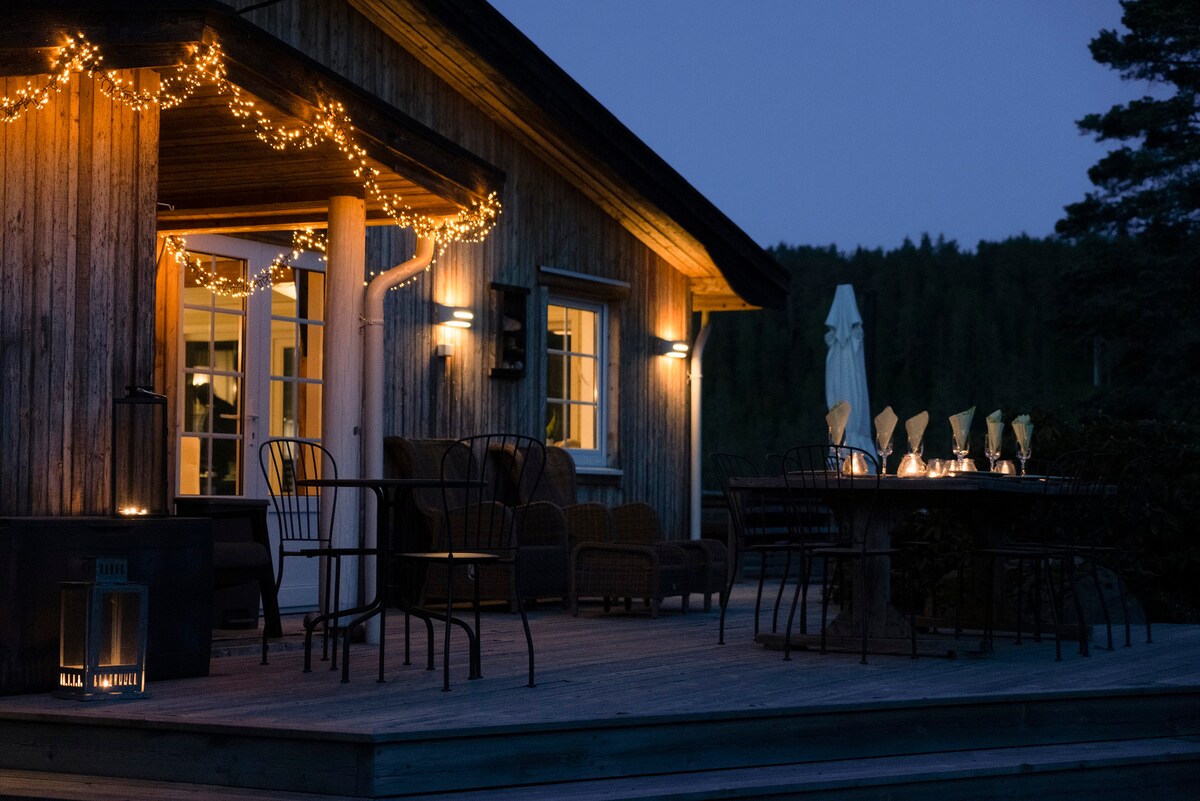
<point>578,252</point>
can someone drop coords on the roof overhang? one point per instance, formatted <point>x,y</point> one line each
<point>484,57</point>
<point>213,173</point>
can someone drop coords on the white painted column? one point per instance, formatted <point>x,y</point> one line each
<point>341,392</point>
<point>696,379</point>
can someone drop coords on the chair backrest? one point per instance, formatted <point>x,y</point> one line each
<point>480,517</point>
<point>557,484</point>
<point>284,461</point>
<point>755,516</point>
<point>818,480</point>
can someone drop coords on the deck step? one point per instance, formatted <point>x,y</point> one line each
<point>38,786</point>
<point>1165,769</point>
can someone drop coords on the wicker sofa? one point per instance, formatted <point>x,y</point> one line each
<point>621,552</point>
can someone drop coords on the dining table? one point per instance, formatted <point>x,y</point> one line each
<point>987,503</point>
<point>389,541</point>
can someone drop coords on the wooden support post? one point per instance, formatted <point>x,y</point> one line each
<point>341,413</point>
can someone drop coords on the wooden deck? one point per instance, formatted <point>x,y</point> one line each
<point>629,707</point>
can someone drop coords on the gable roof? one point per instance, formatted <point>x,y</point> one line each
<point>484,57</point>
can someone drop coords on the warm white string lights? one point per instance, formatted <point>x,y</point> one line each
<point>240,287</point>
<point>206,64</point>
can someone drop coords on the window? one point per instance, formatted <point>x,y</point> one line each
<point>297,335</point>
<point>214,332</point>
<point>576,387</point>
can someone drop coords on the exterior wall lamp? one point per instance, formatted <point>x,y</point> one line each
<point>453,316</point>
<point>672,349</point>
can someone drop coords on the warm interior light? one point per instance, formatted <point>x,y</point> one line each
<point>454,316</point>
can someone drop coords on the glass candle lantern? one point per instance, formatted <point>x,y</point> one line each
<point>139,454</point>
<point>102,636</point>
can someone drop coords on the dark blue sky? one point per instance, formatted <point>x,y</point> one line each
<point>851,123</point>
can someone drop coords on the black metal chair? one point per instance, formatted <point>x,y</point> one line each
<point>759,524</point>
<point>481,532</point>
<point>1059,538</point>
<point>816,476</point>
<point>304,521</point>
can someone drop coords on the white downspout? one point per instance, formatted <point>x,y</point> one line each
<point>372,434</point>
<point>696,382</point>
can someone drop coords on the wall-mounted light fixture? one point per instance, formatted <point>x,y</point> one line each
<point>674,349</point>
<point>453,316</point>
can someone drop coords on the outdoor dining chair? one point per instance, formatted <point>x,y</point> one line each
<point>759,525</point>
<point>479,532</point>
<point>303,519</point>
<point>826,499</point>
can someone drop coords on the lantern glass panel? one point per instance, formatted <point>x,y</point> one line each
<point>72,636</point>
<point>139,453</point>
<point>120,611</point>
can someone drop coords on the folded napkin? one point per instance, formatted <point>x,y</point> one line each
<point>960,426</point>
<point>995,425</point>
<point>1024,430</point>
<point>885,424</point>
<point>915,426</point>
<point>838,415</point>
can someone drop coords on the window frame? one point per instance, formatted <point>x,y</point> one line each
<point>597,457</point>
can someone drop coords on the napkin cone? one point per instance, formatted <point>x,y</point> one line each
<point>885,424</point>
<point>1023,429</point>
<point>960,426</point>
<point>836,420</point>
<point>915,426</point>
<point>995,425</point>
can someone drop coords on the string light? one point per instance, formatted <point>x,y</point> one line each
<point>241,287</point>
<point>205,64</point>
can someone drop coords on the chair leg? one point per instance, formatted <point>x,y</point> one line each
<point>1069,567</point>
<point>446,639</point>
<point>787,574</point>
<point>824,600</point>
<point>476,654</point>
<point>787,632</point>
<point>1103,602</point>
<point>805,576</point>
<point>762,575</point>
<point>528,634</point>
<point>725,599</point>
<point>863,612</point>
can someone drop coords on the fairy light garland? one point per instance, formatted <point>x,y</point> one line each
<point>206,64</point>
<point>306,239</point>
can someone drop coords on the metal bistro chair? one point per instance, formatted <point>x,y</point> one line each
<point>303,531</point>
<point>479,531</point>
<point>759,524</point>
<point>812,474</point>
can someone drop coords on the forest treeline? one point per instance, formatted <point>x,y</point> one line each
<point>944,328</point>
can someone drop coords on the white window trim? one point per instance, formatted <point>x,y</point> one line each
<point>588,460</point>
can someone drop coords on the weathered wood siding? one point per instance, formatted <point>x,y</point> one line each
<point>79,186</point>
<point>546,221</point>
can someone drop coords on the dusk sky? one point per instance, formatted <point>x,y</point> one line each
<point>822,122</point>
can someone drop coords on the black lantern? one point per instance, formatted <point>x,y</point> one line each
<point>102,636</point>
<point>139,453</point>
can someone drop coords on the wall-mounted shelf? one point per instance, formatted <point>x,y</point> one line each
<point>512,334</point>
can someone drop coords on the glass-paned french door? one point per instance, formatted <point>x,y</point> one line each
<point>247,369</point>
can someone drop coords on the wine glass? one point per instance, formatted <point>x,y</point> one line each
<point>884,449</point>
<point>992,454</point>
<point>962,446</point>
<point>1023,453</point>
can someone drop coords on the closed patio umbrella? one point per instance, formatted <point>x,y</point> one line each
<point>845,368</point>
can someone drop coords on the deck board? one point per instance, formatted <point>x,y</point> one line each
<point>620,694</point>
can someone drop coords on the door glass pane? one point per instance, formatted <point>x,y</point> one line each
<point>213,329</point>
<point>297,331</point>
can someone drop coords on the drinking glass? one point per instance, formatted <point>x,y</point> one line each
<point>993,455</point>
<point>1024,453</point>
<point>961,448</point>
<point>884,449</point>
